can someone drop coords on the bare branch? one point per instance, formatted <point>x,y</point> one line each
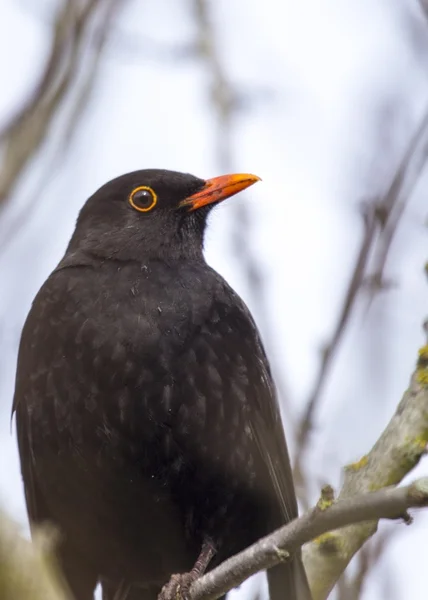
<point>278,546</point>
<point>101,36</point>
<point>221,91</point>
<point>396,200</point>
<point>424,7</point>
<point>351,587</point>
<point>398,450</point>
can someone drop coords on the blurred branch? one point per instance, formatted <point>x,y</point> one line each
<point>222,95</point>
<point>424,6</point>
<point>351,587</point>
<point>92,64</point>
<point>128,46</point>
<point>381,220</point>
<point>398,450</point>
<point>388,503</point>
<point>395,201</point>
<point>72,40</point>
<point>26,572</point>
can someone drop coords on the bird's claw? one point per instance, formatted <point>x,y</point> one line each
<point>177,587</point>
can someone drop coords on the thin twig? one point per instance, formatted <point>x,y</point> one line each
<point>424,7</point>
<point>396,453</point>
<point>103,31</point>
<point>60,40</point>
<point>395,202</point>
<point>351,587</point>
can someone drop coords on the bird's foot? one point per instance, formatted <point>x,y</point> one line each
<point>178,587</point>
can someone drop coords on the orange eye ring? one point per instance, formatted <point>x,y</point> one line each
<point>143,198</point>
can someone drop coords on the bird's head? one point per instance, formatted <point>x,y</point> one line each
<point>152,212</point>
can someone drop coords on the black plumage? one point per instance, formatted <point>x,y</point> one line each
<point>148,425</point>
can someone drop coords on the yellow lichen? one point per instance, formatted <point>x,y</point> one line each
<point>356,466</point>
<point>407,458</point>
<point>281,554</point>
<point>422,376</point>
<point>422,366</point>
<point>411,454</point>
<point>421,442</point>
<point>413,451</point>
<point>327,497</point>
<point>323,504</point>
<point>329,542</point>
<point>423,352</point>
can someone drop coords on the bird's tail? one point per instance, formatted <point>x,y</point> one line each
<point>123,591</point>
<point>288,581</point>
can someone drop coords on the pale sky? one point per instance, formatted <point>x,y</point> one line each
<point>330,70</point>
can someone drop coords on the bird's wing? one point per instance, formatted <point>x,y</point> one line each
<point>287,580</point>
<point>36,506</point>
<point>265,421</point>
<point>268,433</point>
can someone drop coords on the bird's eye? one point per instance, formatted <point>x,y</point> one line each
<point>143,198</point>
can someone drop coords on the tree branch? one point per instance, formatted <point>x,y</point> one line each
<point>396,453</point>
<point>351,585</point>
<point>395,201</point>
<point>269,551</point>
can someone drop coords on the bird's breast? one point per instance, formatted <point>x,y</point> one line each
<point>139,379</point>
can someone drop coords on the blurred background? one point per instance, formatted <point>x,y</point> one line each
<point>325,100</point>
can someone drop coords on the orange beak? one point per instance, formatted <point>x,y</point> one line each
<point>218,189</point>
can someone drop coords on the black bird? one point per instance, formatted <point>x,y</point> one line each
<point>148,426</point>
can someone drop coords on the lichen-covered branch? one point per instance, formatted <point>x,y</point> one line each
<point>351,585</point>
<point>26,571</point>
<point>396,452</point>
<point>278,546</point>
